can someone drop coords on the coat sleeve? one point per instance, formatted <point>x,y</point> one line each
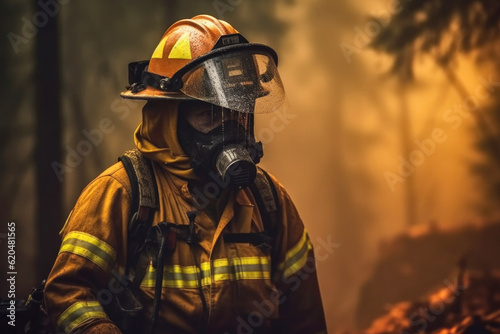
<point>295,275</point>
<point>93,248</point>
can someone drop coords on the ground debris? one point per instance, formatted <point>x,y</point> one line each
<point>470,305</point>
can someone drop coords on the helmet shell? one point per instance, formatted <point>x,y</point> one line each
<point>183,41</point>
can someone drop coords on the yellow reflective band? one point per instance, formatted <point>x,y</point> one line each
<point>296,257</point>
<point>206,281</point>
<point>242,275</point>
<point>158,53</point>
<point>184,269</point>
<point>175,276</point>
<point>239,261</point>
<point>78,313</point>
<point>205,266</point>
<point>181,49</point>
<point>222,270</point>
<point>253,267</point>
<point>179,284</point>
<point>89,247</point>
<point>298,246</point>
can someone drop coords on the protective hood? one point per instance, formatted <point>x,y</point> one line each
<point>156,138</point>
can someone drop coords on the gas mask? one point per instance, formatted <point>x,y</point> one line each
<point>227,151</point>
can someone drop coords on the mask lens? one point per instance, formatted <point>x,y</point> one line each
<point>205,117</point>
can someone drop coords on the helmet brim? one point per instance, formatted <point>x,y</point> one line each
<point>151,93</point>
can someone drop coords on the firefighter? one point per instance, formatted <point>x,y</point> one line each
<point>226,251</point>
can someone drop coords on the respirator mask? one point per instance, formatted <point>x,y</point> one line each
<point>219,142</point>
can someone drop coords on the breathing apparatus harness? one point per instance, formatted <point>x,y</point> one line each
<point>146,241</point>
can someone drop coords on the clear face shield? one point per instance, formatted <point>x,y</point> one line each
<point>242,81</point>
<point>242,77</point>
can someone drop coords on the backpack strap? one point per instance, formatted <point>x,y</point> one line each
<point>269,195</point>
<point>144,203</point>
<point>266,196</point>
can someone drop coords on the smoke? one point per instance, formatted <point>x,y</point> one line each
<point>346,135</point>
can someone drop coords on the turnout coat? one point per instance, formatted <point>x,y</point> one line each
<point>209,286</point>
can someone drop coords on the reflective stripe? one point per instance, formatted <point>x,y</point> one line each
<point>176,276</point>
<point>296,257</point>
<point>241,268</point>
<point>91,248</point>
<point>78,313</point>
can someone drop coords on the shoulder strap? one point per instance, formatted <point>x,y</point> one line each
<point>143,183</point>
<point>266,196</point>
<point>144,202</point>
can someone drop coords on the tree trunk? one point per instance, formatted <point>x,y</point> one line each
<point>48,138</point>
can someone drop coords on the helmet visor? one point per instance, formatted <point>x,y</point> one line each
<point>240,80</point>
